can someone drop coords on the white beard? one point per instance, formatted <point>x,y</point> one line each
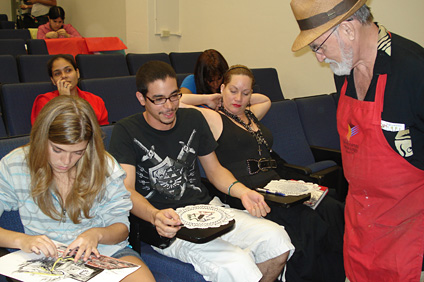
<point>345,66</point>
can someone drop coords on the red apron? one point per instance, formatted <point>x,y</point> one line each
<point>384,234</point>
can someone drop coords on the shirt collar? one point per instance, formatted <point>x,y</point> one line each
<point>384,40</point>
<point>384,51</point>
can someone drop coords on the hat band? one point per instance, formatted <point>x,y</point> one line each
<point>320,19</point>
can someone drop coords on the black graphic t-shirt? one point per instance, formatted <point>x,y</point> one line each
<point>167,172</point>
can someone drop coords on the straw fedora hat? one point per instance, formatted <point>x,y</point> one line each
<point>315,17</point>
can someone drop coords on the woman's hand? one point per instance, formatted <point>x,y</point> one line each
<point>84,245</point>
<point>254,203</point>
<point>167,223</point>
<point>52,34</point>
<point>38,244</point>
<point>214,101</point>
<point>64,87</point>
<point>62,32</point>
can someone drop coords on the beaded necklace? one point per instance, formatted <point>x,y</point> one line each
<point>250,117</point>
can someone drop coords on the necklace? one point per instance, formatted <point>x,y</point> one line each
<point>260,139</point>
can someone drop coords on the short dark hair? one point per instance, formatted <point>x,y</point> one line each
<point>209,65</point>
<point>56,12</point>
<point>152,71</point>
<point>66,57</point>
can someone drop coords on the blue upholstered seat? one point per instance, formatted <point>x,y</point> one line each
<point>184,62</point>
<point>101,66</point>
<point>135,61</point>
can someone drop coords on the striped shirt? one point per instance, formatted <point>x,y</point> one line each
<point>15,194</point>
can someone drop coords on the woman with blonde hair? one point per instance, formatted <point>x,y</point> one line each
<point>68,189</point>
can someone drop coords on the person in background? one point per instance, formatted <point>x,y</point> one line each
<point>56,27</point>
<point>64,74</point>
<point>68,189</point>
<point>208,72</point>
<point>244,148</point>
<point>379,76</point>
<point>39,11</point>
<point>159,150</point>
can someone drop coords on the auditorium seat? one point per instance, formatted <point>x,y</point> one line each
<point>8,69</point>
<point>118,93</point>
<point>12,47</point>
<point>181,77</point>
<point>15,34</point>
<point>33,68</point>
<point>37,47</point>
<point>7,25</point>
<point>318,117</point>
<point>267,83</point>
<point>135,61</point>
<point>291,145</point>
<point>17,100</point>
<point>102,66</point>
<point>184,62</point>
<point>3,132</point>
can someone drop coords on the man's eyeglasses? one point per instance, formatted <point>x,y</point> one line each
<point>316,49</point>
<point>161,101</point>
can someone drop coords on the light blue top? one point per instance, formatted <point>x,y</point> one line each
<point>15,194</point>
<point>189,83</point>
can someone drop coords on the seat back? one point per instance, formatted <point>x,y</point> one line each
<point>118,93</point>
<point>12,47</point>
<point>37,47</point>
<point>289,139</point>
<point>3,131</point>
<point>3,17</point>
<point>267,83</point>
<point>135,61</point>
<point>15,34</point>
<point>8,69</point>
<point>102,66</point>
<point>184,62</point>
<point>33,68</point>
<point>107,130</point>
<point>7,25</point>
<point>181,77</point>
<point>318,117</point>
<point>17,100</point>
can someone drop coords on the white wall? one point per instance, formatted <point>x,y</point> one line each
<point>6,8</point>
<point>251,32</point>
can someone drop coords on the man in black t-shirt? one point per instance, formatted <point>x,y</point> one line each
<point>159,149</point>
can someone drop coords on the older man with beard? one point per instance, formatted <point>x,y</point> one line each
<point>380,79</point>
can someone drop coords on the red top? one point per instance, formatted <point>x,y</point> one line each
<point>45,28</point>
<point>95,101</point>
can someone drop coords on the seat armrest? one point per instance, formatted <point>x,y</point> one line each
<point>323,154</point>
<point>297,169</point>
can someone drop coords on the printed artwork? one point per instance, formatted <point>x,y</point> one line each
<point>32,267</point>
<point>204,216</point>
<point>167,176</point>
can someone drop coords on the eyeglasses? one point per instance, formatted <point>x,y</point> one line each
<point>316,49</point>
<point>161,101</point>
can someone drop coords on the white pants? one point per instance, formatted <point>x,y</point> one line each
<point>234,255</point>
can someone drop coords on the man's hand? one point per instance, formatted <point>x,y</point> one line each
<point>167,223</point>
<point>254,203</point>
